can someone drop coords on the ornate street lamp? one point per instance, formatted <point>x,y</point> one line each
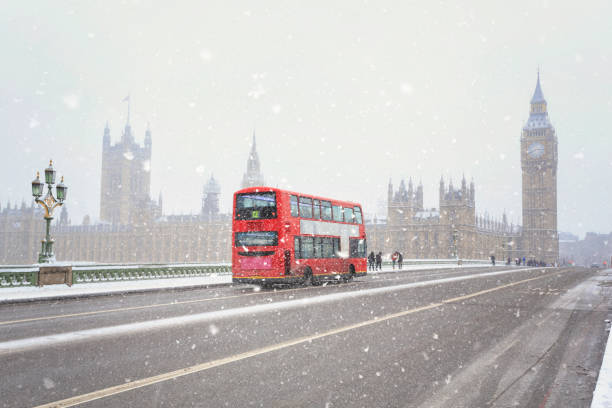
<point>49,203</point>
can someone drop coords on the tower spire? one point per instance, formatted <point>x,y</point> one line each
<point>538,95</point>
<point>253,176</point>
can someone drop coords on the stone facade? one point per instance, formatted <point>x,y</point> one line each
<point>452,230</point>
<point>180,238</point>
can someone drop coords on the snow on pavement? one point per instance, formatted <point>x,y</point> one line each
<point>12,346</point>
<point>23,293</point>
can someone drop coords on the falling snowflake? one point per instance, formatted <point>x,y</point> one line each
<point>71,101</point>
<point>206,55</point>
<point>48,383</point>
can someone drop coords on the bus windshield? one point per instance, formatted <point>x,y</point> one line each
<point>255,206</point>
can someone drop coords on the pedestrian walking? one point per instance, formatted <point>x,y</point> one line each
<point>371,260</point>
<point>493,260</point>
<point>394,259</point>
<point>400,260</point>
<point>379,261</point>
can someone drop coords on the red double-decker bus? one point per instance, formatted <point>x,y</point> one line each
<point>280,236</point>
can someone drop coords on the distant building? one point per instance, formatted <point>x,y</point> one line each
<point>253,176</point>
<point>453,229</point>
<point>210,199</point>
<point>125,191</point>
<point>594,248</point>
<point>132,227</point>
<point>456,230</point>
<point>539,165</point>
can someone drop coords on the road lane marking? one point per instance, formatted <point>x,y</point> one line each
<point>14,346</point>
<point>143,382</point>
<point>97,312</point>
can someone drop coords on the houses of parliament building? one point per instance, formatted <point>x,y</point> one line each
<point>133,227</point>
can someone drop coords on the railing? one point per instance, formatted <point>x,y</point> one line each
<point>105,273</point>
<point>440,262</point>
<point>20,275</point>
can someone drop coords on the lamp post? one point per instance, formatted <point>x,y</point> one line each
<point>49,203</point>
<point>455,249</point>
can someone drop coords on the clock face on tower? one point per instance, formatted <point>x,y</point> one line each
<point>535,150</point>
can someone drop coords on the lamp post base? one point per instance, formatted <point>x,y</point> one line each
<point>46,258</point>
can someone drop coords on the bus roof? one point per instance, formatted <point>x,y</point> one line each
<point>263,189</point>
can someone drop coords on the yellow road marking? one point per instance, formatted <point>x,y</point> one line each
<point>143,382</point>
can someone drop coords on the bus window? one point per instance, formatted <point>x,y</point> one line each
<point>326,210</point>
<point>316,209</point>
<point>318,250</point>
<point>294,206</point>
<point>337,210</point>
<point>305,207</point>
<point>358,215</point>
<point>336,245</point>
<point>253,206</point>
<point>357,248</point>
<point>328,248</point>
<point>307,246</point>
<point>348,215</point>
<point>296,243</point>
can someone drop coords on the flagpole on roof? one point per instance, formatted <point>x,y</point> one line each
<point>127,98</point>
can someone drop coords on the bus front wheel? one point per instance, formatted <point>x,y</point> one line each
<point>307,281</point>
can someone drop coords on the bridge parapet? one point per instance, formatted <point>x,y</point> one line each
<point>28,275</point>
<point>13,275</point>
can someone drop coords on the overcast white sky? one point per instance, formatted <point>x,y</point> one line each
<point>343,95</point>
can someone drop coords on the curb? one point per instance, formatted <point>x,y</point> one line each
<point>118,292</point>
<point>602,395</point>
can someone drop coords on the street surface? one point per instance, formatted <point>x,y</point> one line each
<point>470,337</point>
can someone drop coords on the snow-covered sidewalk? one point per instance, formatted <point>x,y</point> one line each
<point>33,293</point>
<point>602,396</point>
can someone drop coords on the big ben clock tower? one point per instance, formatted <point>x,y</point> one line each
<point>539,168</point>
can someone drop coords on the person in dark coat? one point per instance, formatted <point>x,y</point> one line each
<point>379,261</point>
<point>400,260</point>
<point>371,260</point>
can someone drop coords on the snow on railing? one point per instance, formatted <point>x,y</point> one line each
<point>14,275</point>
